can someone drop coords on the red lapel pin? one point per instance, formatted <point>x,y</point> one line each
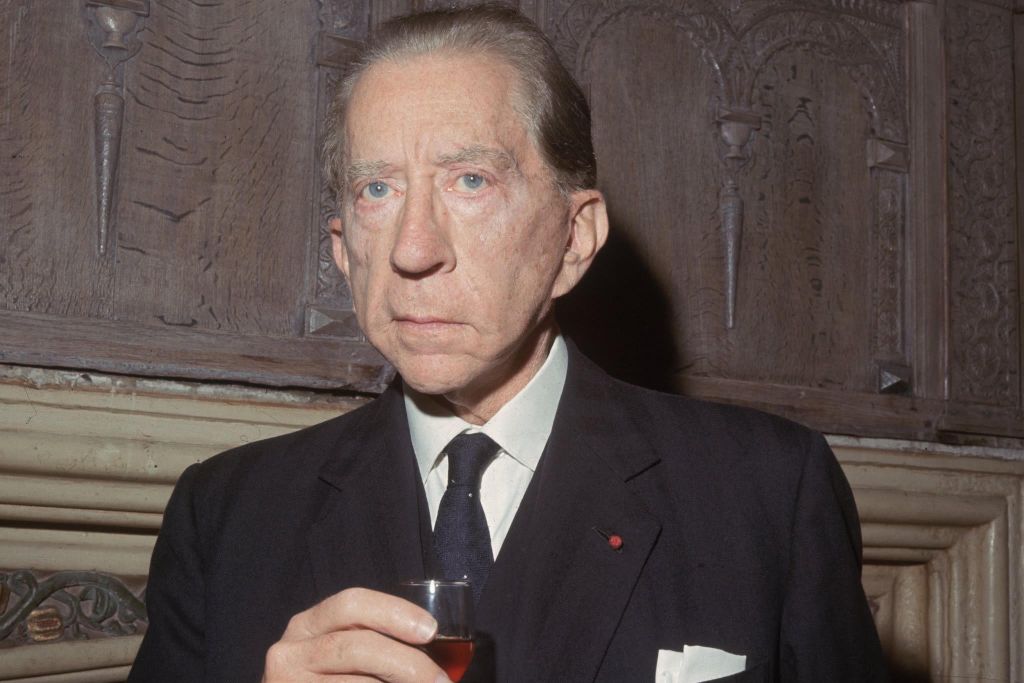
<point>614,540</point>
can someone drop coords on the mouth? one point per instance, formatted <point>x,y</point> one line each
<point>423,320</point>
<point>425,324</point>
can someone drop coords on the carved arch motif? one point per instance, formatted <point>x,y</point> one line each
<point>737,42</point>
<point>579,25</point>
<point>838,41</point>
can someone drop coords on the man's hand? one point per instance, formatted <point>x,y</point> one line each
<point>355,635</point>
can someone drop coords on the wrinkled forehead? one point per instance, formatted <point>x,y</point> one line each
<point>434,93</point>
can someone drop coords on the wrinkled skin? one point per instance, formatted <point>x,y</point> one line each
<point>453,237</point>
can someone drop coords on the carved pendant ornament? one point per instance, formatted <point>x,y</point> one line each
<point>70,605</point>
<point>738,41</point>
<point>113,27</point>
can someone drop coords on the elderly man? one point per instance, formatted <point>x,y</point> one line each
<point>626,534</point>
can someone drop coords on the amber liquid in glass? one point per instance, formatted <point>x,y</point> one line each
<point>451,654</point>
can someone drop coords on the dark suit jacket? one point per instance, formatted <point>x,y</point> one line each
<point>739,532</point>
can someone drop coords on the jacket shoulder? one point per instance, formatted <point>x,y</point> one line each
<point>698,421</point>
<point>278,459</point>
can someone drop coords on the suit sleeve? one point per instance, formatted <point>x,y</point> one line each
<point>827,631</point>
<point>173,648</point>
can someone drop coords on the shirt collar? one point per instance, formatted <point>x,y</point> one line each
<point>521,427</point>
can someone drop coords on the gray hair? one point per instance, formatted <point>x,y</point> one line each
<point>548,99</point>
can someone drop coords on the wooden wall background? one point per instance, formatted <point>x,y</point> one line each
<point>815,202</point>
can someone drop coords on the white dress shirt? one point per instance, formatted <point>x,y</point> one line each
<point>521,427</point>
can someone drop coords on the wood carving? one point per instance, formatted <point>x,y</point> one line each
<point>69,605</point>
<point>746,191</point>
<point>985,301</point>
<point>889,248</point>
<point>109,109</point>
<point>890,163</point>
<point>737,127</point>
<point>739,41</point>
<point>336,16</point>
<point>730,207</point>
<point>113,33</point>
<point>331,287</point>
<point>330,311</point>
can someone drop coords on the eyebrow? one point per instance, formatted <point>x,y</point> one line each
<point>360,169</point>
<point>502,160</point>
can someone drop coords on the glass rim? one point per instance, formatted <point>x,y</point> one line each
<point>434,582</point>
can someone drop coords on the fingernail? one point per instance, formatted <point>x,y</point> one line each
<point>426,629</point>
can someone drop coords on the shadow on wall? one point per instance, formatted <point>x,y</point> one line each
<point>620,316</point>
<point>897,674</point>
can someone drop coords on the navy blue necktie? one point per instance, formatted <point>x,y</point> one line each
<point>462,540</point>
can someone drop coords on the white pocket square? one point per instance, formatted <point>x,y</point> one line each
<point>697,663</point>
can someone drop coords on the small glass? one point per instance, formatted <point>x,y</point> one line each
<point>451,604</point>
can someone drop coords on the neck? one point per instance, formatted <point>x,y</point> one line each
<point>478,404</point>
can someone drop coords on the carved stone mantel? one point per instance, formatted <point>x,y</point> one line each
<point>87,463</point>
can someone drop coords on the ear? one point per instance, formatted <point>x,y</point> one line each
<point>338,250</point>
<point>588,230</point>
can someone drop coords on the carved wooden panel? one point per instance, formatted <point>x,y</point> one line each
<point>779,211</point>
<point>984,239</point>
<point>758,171</point>
<point>791,227</point>
<point>48,236</point>
<point>160,185</point>
<point>343,26</point>
<point>215,172</point>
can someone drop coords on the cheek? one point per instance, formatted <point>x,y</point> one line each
<point>360,275</point>
<point>359,243</point>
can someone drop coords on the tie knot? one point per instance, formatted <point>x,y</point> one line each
<point>468,454</point>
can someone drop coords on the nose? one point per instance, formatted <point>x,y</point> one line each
<point>421,246</point>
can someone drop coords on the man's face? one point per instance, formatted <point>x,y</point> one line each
<point>453,237</point>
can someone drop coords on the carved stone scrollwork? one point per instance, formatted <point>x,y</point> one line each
<point>113,32</point>
<point>70,605</point>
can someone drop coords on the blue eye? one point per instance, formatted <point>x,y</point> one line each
<point>376,190</point>
<point>471,181</point>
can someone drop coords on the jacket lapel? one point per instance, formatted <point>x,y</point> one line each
<point>558,588</point>
<point>370,532</point>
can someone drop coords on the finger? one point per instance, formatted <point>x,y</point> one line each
<point>360,654</point>
<point>359,608</point>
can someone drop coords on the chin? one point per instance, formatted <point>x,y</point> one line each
<point>434,377</point>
